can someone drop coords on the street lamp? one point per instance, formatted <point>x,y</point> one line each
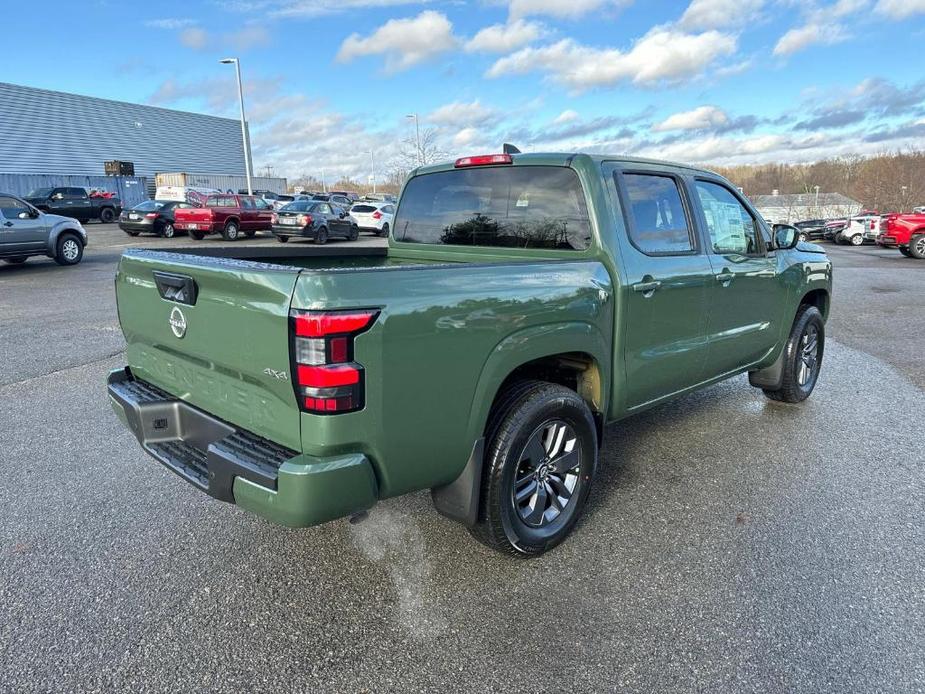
<point>247,157</point>
<point>417,136</point>
<point>372,169</point>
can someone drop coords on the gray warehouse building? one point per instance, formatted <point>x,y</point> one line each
<point>48,132</point>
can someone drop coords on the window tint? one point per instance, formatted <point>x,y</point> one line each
<point>75,193</point>
<point>248,203</point>
<point>11,207</point>
<point>659,224</point>
<point>513,207</point>
<point>732,229</point>
<point>221,202</point>
<point>363,208</point>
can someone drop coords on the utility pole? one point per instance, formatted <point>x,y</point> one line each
<point>372,169</point>
<point>417,137</point>
<point>247,152</point>
<point>324,188</point>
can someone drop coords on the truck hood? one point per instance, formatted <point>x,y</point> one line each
<point>808,247</point>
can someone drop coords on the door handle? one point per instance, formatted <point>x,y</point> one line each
<point>725,278</point>
<point>8,224</point>
<point>647,288</point>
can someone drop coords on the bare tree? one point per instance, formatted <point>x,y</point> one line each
<point>410,155</point>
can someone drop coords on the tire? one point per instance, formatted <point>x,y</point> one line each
<point>18,260</point>
<point>384,231</point>
<point>354,233</point>
<point>548,419</point>
<point>231,232</point>
<point>107,214</point>
<point>250,234</point>
<point>856,240</point>
<point>168,231</point>
<point>321,237</point>
<point>804,237</point>
<point>282,239</point>
<point>198,235</point>
<point>905,251</point>
<point>69,250</point>
<point>797,384</point>
<point>917,246</point>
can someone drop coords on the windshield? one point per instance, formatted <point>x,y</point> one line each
<point>511,207</point>
<point>148,205</point>
<point>297,206</point>
<point>40,193</point>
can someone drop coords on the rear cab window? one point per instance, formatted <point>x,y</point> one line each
<point>510,207</point>
<point>658,223</point>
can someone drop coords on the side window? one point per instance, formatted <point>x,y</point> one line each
<point>76,193</point>
<point>248,203</point>
<point>388,209</point>
<point>732,228</point>
<point>262,204</point>
<point>658,223</point>
<point>58,194</point>
<point>11,208</point>
<point>324,208</point>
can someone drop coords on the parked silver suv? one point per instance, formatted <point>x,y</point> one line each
<point>26,231</point>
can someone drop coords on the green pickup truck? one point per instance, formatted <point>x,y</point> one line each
<point>524,301</point>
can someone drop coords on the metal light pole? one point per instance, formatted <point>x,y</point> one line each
<point>247,153</point>
<point>417,136</point>
<point>372,169</point>
<point>324,188</point>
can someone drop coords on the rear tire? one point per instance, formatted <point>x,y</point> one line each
<point>19,260</point>
<point>167,231</point>
<point>69,250</point>
<point>198,235</point>
<point>540,461</point>
<point>107,214</point>
<point>354,233</point>
<point>384,231</point>
<point>231,232</point>
<point>802,357</point>
<point>917,246</point>
<point>857,240</point>
<point>321,237</point>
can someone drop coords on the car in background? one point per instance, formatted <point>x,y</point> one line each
<point>905,232</point>
<point>152,217</point>
<point>350,195</point>
<point>226,214</point>
<point>859,229</point>
<point>832,228</point>
<point>313,219</point>
<point>26,231</point>
<point>374,217</point>
<point>341,201</point>
<point>811,229</point>
<point>75,203</point>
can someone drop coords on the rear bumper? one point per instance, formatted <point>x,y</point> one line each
<point>886,240</point>
<point>204,227</point>
<point>235,465</point>
<point>287,230</point>
<point>126,225</point>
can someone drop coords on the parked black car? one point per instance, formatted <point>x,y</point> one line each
<point>75,203</point>
<point>811,229</point>
<point>151,217</point>
<point>312,219</point>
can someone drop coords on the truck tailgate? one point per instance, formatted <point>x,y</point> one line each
<point>226,350</point>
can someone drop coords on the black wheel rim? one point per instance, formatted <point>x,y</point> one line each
<point>808,355</point>
<point>547,474</point>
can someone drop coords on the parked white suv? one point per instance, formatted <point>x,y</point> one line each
<point>859,230</point>
<point>375,217</point>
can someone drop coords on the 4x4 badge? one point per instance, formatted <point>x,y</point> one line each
<point>177,322</point>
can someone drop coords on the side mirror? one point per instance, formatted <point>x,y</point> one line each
<point>785,236</point>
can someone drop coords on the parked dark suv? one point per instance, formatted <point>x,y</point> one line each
<point>27,231</point>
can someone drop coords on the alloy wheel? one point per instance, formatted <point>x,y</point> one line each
<point>809,355</point>
<point>70,250</point>
<point>546,474</point>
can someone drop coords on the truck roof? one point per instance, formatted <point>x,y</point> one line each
<point>566,158</point>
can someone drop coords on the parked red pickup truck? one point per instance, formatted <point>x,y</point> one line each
<point>227,214</point>
<point>905,231</point>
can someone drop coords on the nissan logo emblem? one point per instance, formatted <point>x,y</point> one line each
<point>177,322</point>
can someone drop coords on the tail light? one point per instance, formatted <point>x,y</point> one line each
<point>305,219</point>
<point>151,215</point>
<point>377,215</point>
<point>484,160</point>
<point>274,218</point>
<point>327,379</point>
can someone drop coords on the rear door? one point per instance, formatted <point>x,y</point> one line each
<point>664,341</point>
<point>16,234</point>
<point>79,204</point>
<point>746,296</point>
<point>222,347</point>
<point>264,214</point>
<point>249,219</point>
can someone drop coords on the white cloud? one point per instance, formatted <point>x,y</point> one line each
<point>662,55</point>
<point>501,38</point>
<point>567,116</point>
<point>900,9</point>
<point>318,8</point>
<point>170,23</point>
<point>194,38</point>
<point>562,9</point>
<point>701,118</point>
<point>808,35</point>
<point>716,14</point>
<point>459,114</point>
<point>404,42</point>
<point>465,137</point>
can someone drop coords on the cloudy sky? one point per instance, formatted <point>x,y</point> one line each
<point>706,81</point>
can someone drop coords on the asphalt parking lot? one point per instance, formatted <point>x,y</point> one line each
<point>732,544</point>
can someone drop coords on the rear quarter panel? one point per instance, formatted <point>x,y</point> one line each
<point>446,338</point>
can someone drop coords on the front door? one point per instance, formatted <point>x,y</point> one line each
<point>746,295</point>
<point>19,234</point>
<point>664,341</point>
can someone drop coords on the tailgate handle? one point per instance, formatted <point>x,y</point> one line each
<point>178,288</point>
